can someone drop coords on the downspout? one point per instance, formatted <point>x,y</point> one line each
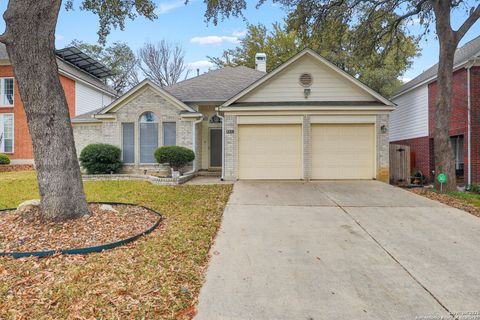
<point>469,125</point>
<point>223,145</point>
<point>194,144</point>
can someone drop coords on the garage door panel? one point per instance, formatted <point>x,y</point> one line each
<point>343,151</point>
<point>270,151</point>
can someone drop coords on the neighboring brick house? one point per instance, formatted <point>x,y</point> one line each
<point>84,91</point>
<point>413,121</point>
<point>307,119</point>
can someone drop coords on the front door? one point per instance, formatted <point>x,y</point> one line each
<point>215,147</point>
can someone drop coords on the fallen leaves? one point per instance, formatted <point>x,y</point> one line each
<point>157,277</point>
<point>27,232</point>
<point>448,199</point>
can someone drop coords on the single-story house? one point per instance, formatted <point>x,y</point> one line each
<point>307,119</point>
<point>413,121</point>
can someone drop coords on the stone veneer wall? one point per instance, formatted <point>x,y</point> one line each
<point>383,165</point>
<point>382,145</point>
<point>230,161</point>
<point>111,131</point>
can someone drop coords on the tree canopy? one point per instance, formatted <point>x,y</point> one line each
<point>379,69</point>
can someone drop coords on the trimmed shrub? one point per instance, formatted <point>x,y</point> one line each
<point>4,159</point>
<point>101,159</point>
<point>177,157</point>
<point>475,188</point>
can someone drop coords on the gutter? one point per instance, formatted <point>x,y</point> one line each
<point>469,123</point>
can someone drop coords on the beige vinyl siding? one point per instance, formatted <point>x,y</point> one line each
<point>328,85</point>
<point>343,151</point>
<point>270,151</point>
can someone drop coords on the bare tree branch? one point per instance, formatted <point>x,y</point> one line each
<point>164,63</point>
<point>467,24</point>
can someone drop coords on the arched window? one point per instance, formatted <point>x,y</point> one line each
<point>148,124</point>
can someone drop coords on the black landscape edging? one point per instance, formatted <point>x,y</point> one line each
<point>100,248</point>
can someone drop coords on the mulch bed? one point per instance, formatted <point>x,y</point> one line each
<point>447,199</point>
<point>15,167</point>
<point>27,232</point>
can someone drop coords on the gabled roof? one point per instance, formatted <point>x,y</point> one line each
<point>463,55</point>
<point>142,85</point>
<point>70,71</point>
<point>292,60</point>
<point>215,86</point>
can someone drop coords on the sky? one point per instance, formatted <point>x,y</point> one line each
<point>185,25</point>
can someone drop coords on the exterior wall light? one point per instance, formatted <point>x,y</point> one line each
<point>306,92</point>
<point>383,129</point>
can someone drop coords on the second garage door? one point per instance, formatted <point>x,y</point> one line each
<point>343,151</point>
<point>270,151</point>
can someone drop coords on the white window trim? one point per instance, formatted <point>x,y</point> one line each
<point>13,133</point>
<point>159,127</point>
<point>2,91</point>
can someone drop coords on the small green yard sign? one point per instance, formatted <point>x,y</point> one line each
<point>442,178</point>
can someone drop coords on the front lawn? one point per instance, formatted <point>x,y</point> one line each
<point>466,201</point>
<point>156,277</point>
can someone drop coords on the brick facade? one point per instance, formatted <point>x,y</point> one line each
<point>423,147</point>
<point>22,141</point>
<point>421,155</point>
<point>110,131</point>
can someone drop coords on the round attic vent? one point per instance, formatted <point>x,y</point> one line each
<point>306,79</point>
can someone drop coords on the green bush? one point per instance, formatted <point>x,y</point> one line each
<point>4,159</point>
<point>175,156</point>
<point>101,159</point>
<point>475,188</point>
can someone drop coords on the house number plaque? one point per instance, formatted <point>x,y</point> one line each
<point>230,131</point>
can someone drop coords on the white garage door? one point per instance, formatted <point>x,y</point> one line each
<point>343,151</point>
<point>270,151</point>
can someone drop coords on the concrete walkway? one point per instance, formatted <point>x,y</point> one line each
<point>340,250</point>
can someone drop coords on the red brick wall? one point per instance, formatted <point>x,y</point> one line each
<point>458,118</point>
<point>22,140</point>
<point>421,154</point>
<point>475,124</point>
<point>459,113</point>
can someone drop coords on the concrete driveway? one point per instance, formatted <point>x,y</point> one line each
<point>340,250</point>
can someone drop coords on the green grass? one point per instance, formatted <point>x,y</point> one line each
<point>472,198</point>
<point>156,277</point>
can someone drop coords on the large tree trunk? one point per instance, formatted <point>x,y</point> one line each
<point>30,42</point>
<point>444,156</point>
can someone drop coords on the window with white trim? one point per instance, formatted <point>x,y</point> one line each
<point>6,132</point>
<point>6,92</point>
<point>148,137</point>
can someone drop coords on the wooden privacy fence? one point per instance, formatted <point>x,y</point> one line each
<point>400,170</point>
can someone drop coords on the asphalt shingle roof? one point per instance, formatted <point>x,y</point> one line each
<point>71,69</point>
<point>468,51</point>
<point>216,85</point>
<point>88,116</point>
